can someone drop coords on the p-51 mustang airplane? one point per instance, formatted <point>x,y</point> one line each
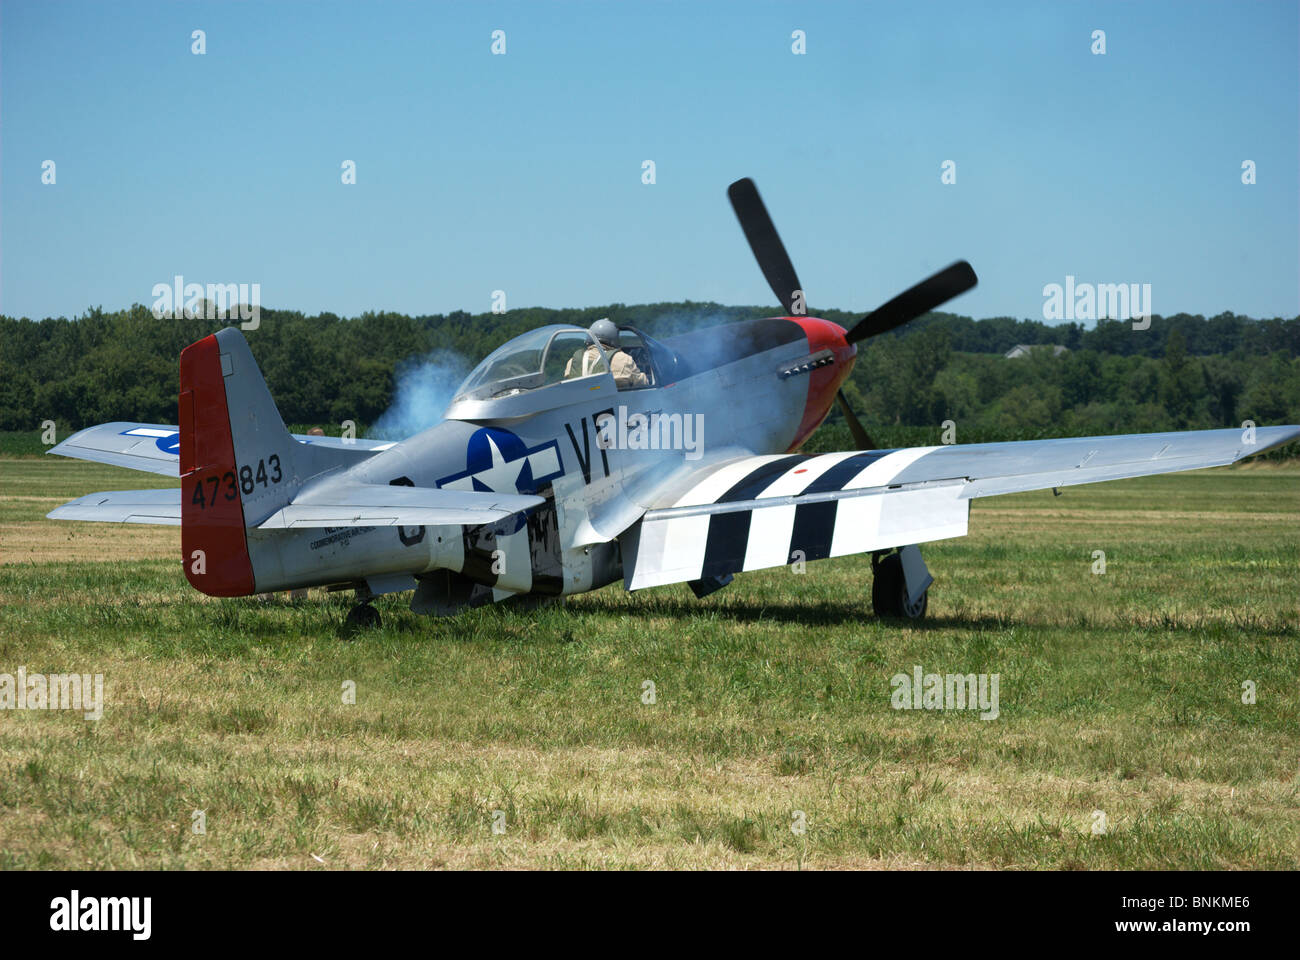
<point>527,488</point>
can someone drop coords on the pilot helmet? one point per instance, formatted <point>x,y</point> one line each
<point>605,331</point>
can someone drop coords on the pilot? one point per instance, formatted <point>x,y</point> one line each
<point>621,365</point>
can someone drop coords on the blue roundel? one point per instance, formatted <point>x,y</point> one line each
<point>170,443</point>
<point>510,459</point>
<point>498,461</point>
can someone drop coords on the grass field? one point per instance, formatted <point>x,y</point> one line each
<point>1119,693</point>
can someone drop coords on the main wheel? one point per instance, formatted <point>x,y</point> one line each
<point>363,615</point>
<point>889,592</point>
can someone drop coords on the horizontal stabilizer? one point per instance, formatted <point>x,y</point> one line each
<point>155,447</point>
<point>124,506</point>
<point>381,505</point>
<point>152,447</point>
<point>351,505</point>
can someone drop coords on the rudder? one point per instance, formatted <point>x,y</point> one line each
<point>235,470</point>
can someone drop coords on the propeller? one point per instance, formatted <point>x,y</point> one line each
<point>916,301</point>
<point>860,435</point>
<point>777,269</point>
<point>766,243</point>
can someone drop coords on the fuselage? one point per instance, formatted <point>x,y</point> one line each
<point>597,454</point>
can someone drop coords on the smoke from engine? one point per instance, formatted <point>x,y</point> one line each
<point>424,387</point>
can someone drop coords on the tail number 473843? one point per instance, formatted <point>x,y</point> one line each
<point>227,484</point>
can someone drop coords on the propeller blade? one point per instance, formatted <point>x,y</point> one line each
<point>860,437</point>
<point>766,244</point>
<point>919,300</point>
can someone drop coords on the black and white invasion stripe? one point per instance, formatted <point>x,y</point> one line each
<point>766,511</point>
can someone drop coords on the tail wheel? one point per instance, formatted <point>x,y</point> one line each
<point>362,616</point>
<point>889,592</point>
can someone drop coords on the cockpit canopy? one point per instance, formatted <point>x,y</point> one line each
<point>564,359</point>
<point>534,359</point>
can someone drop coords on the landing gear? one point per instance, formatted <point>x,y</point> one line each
<point>702,588</point>
<point>889,592</point>
<point>362,616</point>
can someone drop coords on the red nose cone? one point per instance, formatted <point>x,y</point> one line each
<point>823,382</point>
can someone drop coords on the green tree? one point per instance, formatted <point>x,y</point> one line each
<point>1182,383</point>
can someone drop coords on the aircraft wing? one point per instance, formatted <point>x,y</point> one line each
<point>155,447</point>
<point>766,511</point>
<point>124,506</point>
<point>382,505</point>
<point>995,468</point>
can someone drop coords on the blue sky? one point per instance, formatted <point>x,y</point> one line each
<point>522,172</point>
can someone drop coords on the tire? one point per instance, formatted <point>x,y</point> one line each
<point>363,615</point>
<point>889,592</point>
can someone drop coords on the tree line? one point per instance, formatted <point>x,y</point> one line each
<point>1183,372</point>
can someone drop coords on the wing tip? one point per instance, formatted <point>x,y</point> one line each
<point>1273,438</point>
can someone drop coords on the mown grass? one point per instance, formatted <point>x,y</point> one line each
<point>1119,692</point>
